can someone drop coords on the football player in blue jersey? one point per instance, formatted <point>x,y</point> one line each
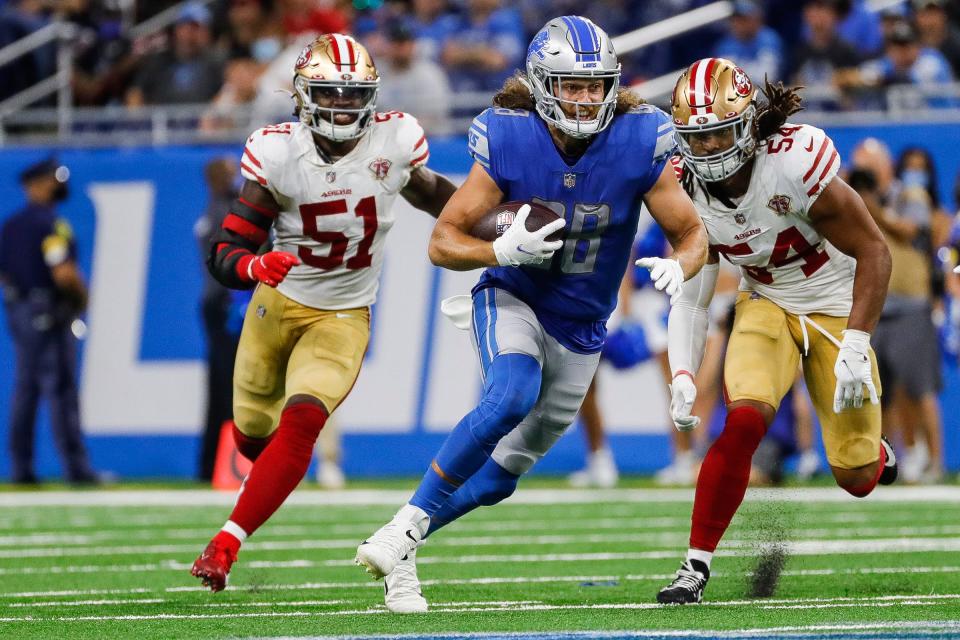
<point>564,135</point>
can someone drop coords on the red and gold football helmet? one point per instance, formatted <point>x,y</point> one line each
<point>335,87</point>
<point>714,97</point>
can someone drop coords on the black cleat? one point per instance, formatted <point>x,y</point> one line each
<point>889,473</point>
<point>687,587</point>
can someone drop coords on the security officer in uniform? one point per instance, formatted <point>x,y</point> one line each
<point>44,295</point>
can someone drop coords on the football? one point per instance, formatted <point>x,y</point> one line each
<point>498,219</point>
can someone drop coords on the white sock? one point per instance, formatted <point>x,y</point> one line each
<point>699,554</point>
<point>414,515</point>
<point>234,529</point>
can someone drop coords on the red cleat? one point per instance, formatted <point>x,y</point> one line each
<point>213,565</point>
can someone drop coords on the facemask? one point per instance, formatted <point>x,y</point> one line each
<point>265,49</point>
<point>915,178</point>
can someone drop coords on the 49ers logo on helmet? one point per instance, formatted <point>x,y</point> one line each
<point>741,83</point>
<point>304,58</point>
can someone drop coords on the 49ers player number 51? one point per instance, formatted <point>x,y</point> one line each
<point>326,186</point>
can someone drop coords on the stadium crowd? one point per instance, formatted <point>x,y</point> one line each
<point>238,52</point>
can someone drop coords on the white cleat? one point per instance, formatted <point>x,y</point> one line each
<point>401,587</point>
<point>600,472</point>
<point>330,476</point>
<point>381,552</point>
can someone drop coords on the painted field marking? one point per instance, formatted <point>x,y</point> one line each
<point>880,601</point>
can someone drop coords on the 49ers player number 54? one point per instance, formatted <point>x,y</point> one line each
<point>815,270</point>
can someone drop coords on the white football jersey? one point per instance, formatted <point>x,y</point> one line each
<point>335,216</point>
<point>769,234</point>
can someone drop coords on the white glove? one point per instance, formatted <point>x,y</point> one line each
<point>518,246</point>
<point>682,394</point>
<point>853,372</point>
<point>956,269</point>
<point>666,273</point>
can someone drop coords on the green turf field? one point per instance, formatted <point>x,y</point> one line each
<point>114,564</point>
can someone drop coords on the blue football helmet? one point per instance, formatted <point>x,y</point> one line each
<point>572,47</point>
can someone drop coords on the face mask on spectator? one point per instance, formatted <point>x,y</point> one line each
<point>915,178</point>
<point>265,49</point>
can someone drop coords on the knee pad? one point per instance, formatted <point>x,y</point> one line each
<point>492,484</point>
<point>510,392</point>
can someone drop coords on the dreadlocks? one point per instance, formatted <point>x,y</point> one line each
<point>516,94</point>
<point>781,104</point>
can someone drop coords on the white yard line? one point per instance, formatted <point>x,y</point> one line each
<point>883,601</point>
<point>678,527</point>
<point>370,497</point>
<point>795,547</point>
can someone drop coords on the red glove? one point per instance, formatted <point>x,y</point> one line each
<point>270,268</point>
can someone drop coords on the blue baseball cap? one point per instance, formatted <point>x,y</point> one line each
<point>194,12</point>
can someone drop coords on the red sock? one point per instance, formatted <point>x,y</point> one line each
<point>724,476</point>
<point>248,446</point>
<point>864,490</point>
<point>281,466</point>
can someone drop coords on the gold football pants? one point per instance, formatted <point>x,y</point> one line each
<point>765,347</point>
<point>288,349</point>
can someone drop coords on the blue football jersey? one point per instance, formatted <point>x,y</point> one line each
<point>599,195</point>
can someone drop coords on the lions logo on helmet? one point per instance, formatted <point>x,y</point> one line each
<point>572,47</point>
<point>714,97</point>
<point>335,87</point>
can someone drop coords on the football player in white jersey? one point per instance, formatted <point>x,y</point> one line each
<point>814,268</point>
<point>326,186</point>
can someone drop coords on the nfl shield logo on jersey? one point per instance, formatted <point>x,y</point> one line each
<point>569,180</point>
<point>504,220</point>
<point>331,176</point>
<point>739,218</point>
<point>780,204</point>
<point>380,167</point>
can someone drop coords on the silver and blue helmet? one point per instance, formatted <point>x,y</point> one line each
<point>572,47</point>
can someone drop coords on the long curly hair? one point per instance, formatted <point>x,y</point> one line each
<point>779,104</point>
<point>515,94</point>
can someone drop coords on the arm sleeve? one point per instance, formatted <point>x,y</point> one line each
<point>689,320</point>
<point>234,246</point>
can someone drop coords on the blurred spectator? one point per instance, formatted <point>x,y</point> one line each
<point>44,294</point>
<point>936,31</point>
<point>905,61</point>
<point>253,31</point>
<point>274,100</point>
<point>313,17</point>
<point>485,47</point>
<point>755,48</point>
<point>433,22</point>
<point>860,27</point>
<point>222,310</point>
<point>188,72</point>
<point>905,340</point>
<point>18,19</point>
<point>412,83</point>
<point>230,107</point>
<point>104,61</point>
<point>821,53</point>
